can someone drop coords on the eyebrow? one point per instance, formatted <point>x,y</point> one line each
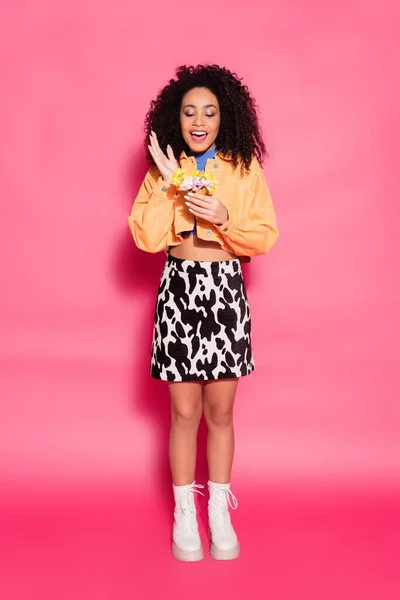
<point>205,106</point>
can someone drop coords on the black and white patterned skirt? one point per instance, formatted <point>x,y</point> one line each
<point>202,325</point>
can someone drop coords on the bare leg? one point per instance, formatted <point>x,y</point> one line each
<point>218,400</point>
<point>186,408</point>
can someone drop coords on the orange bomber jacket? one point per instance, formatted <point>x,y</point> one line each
<point>159,214</point>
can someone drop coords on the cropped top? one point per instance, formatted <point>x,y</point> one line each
<point>201,161</point>
<point>159,214</point>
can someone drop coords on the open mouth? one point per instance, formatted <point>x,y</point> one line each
<point>198,136</point>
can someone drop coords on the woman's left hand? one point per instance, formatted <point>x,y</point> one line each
<point>207,207</point>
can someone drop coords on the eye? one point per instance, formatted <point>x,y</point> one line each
<point>210,115</point>
<point>189,114</point>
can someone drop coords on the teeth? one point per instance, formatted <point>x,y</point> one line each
<point>198,133</point>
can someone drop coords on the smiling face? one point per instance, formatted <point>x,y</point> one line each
<point>200,119</point>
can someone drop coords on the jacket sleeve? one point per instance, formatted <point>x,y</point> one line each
<point>152,213</point>
<point>254,230</point>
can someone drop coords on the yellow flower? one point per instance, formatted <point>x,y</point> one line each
<point>212,187</point>
<point>178,176</point>
<point>207,175</point>
<point>210,176</point>
<point>195,180</point>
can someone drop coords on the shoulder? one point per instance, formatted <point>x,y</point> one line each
<point>255,166</point>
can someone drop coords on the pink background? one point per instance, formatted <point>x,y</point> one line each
<point>85,487</point>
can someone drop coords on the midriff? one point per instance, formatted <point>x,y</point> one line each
<point>194,248</point>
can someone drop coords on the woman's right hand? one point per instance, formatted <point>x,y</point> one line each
<point>167,165</point>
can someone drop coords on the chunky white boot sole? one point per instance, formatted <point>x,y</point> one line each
<point>187,555</point>
<point>230,554</point>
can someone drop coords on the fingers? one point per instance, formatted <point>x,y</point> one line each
<point>156,146</point>
<point>200,206</point>
<point>168,160</point>
<point>201,200</point>
<point>155,156</point>
<point>154,142</point>
<point>201,209</point>
<point>151,151</point>
<point>213,211</point>
<point>208,215</point>
<point>170,153</point>
<point>157,152</point>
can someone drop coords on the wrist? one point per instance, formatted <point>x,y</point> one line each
<point>224,221</point>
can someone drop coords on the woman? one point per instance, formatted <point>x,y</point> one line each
<point>204,119</point>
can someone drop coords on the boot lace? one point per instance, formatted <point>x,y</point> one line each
<point>219,502</point>
<point>186,510</point>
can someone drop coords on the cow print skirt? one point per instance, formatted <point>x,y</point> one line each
<point>202,326</point>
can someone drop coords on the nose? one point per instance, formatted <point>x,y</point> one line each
<point>198,120</point>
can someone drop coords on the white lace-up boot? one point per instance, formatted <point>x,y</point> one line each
<point>186,543</point>
<point>224,542</point>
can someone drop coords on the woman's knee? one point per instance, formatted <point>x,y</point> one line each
<point>186,416</point>
<point>218,416</point>
<point>219,397</point>
<point>186,404</point>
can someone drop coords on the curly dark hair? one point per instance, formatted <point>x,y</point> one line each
<point>239,134</point>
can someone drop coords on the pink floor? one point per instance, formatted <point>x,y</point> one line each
<point>110,544</point>
<point>73,526</point>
